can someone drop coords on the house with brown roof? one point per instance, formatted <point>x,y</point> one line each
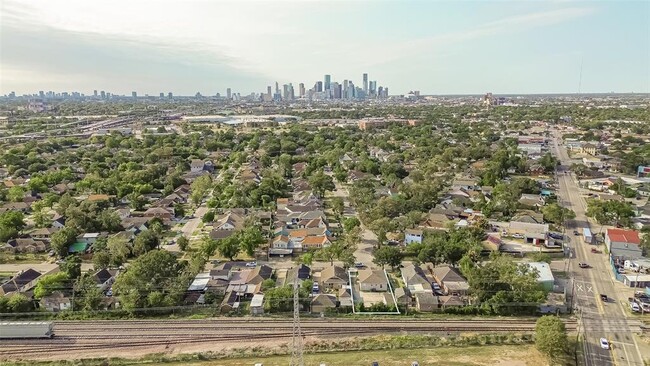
<point>321,303</point>
<point>25,245</point>
<point>333,277</point>
<point>450,280</point>
<point>426,302</point>
<point>43,233</point>
<point>315,242</point>
<point>372,280</point>
<point>159,212</point>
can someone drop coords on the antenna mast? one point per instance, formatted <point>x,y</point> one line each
<point>296,345</point>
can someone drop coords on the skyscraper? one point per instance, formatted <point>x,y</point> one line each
<point>328,81</point>
<point>365,83</point>
<point>336,90</point>
<point>319,86</point>
<point>268,92</point>
<point>285,91</point>
<point>95,92</point>
<point>372,89</point>
<point>301,90</point>
<point>277,88</point>
<point>228,94</point>
<point>162,95</point>
<point>170,95</point>
<point>134,94</point>
<point>103,94</point>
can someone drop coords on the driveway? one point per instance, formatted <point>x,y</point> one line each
<point>191,225</point>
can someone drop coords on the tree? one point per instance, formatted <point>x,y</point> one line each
<point>101,260</point>
<point>145,241</point>
<point>250,239</point>
<point>381,227</point>
<point>11,223</point>
<point>62,239</point>
<point>550,336</point>
<point>65,202</point>
<point>156,271</point>
<point>88,296</point>
<point>40,215</point>
<point>208,217</point>
<point>350,223</point>
<point>306,259</point>
<point>18,303</point>
<point>119,249</point>
<point>320,183</point>
<point>268,284</point>
<point>179,210</point>
<point>610,212</point>
<point>338,206</point>
<point>229,247</point>
<point>71,266</point>
<point>50,283</point>
<point>557,214</point>
<point>279,299</point>
<point>16,194</point>
<point>183,243</point>
<point>388,255</point>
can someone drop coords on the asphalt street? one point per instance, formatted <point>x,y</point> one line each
<point>599,319</point>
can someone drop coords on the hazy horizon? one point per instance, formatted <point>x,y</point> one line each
<point>438,48</point>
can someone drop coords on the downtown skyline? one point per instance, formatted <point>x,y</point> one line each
<point>437,47</point>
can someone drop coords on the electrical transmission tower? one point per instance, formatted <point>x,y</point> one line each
<point>296,345</point>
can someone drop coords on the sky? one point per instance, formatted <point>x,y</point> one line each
<point>436,47</point>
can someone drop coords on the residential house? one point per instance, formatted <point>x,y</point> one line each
<point>43,233</point>
<point>372,280</point>
<point>136,224</point>
<point>450,280</point>
<point>25,245</point>
<point>56,301</point>
<point>105,278</point>
<point>450,301</point>
<point>333,277</point>
<point>426,302</point>
<point>415,279</point>
<point>229,221</point>
<point>260,273</point>
<point>123,213</point>
<point>23,282</point>
<point>200,282</point>
<point>302,272</point>
<point>230,302</point>
<point>413,236</point>
<point>257,304</point>
<point>536,234</point>
<point>321,303</point>
<point>58,222</point>
<point>15,206</point>
<point>345,298</point>
<point>403,297</point>
<point>531,200</point>
<point>589,148</point>
<point>164,214</point>
<point>315,242</point>
<point>89,238</point>
<point>196,165</point>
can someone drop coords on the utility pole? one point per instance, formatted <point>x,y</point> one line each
<point>296,344</point>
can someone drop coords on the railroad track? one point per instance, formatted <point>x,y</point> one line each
<point>54,346</point>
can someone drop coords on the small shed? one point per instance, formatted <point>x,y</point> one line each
<point>257,304</point>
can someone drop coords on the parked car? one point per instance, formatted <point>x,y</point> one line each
<point>635,307</point>
<point>315,288</point>
<point>594,250</point>
<point>359,265</point>
<point>517,236</point>
<point>556,236</point>
<point>251,264</point>
<point>583,265</point>
<point>435,286</point>
<point>604,344</point>
<point>576,233</point>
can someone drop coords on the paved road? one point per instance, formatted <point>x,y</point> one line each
<point>364,250</point>
<point>598,319</point>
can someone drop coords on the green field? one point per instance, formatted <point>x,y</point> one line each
<point>524,355</point>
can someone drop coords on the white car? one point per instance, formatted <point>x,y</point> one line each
<point>604,344</point>
<point>251,264</point>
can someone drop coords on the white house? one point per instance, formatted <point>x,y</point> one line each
<point>196,165</point>
<point>413,236</point>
